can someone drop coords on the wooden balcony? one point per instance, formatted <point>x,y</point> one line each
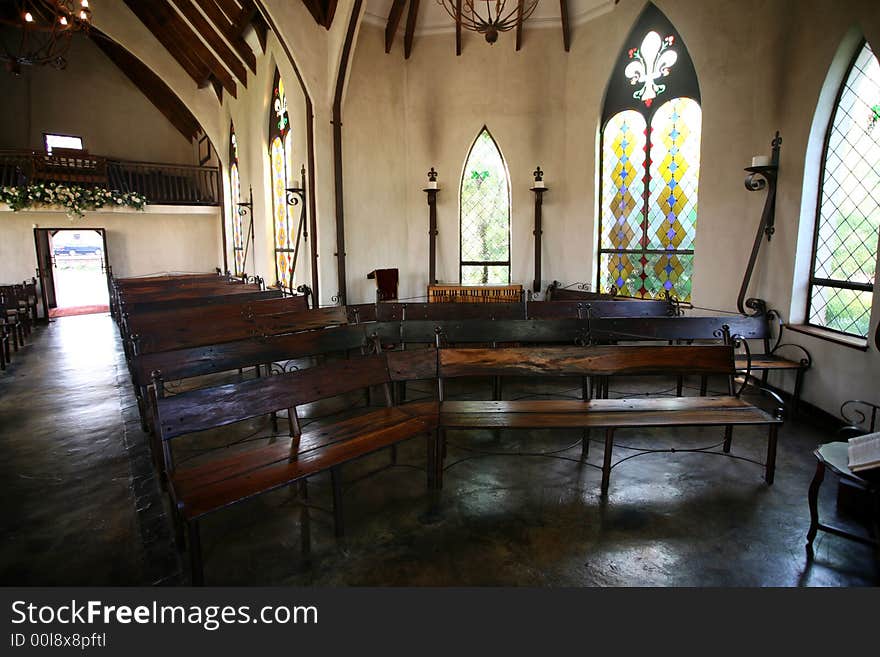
<point>161,184</point>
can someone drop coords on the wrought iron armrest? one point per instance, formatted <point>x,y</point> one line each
<point>779,412</point>
<point>861,418</point>
<point>806,361</point>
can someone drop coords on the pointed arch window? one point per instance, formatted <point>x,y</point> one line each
<point>650,165</point>
<point>235,209</point>
<point>848,212</point>
<point>279,155</point>
<point>485,215</point>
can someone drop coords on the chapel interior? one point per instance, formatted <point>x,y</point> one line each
<point>439,292</point>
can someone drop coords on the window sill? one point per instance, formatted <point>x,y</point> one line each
<point>831,336</point>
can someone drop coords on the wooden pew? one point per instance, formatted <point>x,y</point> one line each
<point>758,327</point>
<point>609,414</point>
<point>205,301</point>
<point>223,481</point>
<point>235,326</point>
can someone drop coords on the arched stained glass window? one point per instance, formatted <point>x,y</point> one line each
<point>650,165</point>
<point>235,209</point>
<point>848,215</point>
<point>485,215</point>
<point>279,153</point>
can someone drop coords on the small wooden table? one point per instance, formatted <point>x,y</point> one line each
<point>834,456</point>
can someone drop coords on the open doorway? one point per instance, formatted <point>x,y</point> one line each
<point>73,270</point>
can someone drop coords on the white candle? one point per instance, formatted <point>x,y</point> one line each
<point>761,161</point>
<point>432,184</point>
<point>539,183</point>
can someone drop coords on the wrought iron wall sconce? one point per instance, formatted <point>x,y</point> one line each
<point>761,177</point>
<point>538,188</point>
<point>296,196</point>
<point>242,209</point>
<point>431,190</point>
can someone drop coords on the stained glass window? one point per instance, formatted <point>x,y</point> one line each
<point>485,215</point>
<point>279,153</point>
<point>235,209</point>
<point>650,165</point>
<point>848,216</point>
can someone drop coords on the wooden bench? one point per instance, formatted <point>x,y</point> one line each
<point>221,482</point>
<point>235,326</point>
<point>268,355</point>
<point>758,327</point>
<point>475,293</point>
<point>612,415</point>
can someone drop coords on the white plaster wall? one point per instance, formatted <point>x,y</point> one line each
<point>138,243</point>
<point>91,98</point>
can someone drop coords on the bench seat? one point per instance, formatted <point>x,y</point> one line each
<point>599,413</point>
<point>760,362</point>
<point>222,482</point>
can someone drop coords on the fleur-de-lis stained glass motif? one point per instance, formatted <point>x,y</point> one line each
<point>650,163</point>
<point>279,153</point>
<point>651,61</point>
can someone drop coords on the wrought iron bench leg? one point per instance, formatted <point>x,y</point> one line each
<point>679,386</point>
<point>606,463</point>
<point>197,574</point>
<point>338,515</point>
<point>728,438</point>
<point>704,385</point>
<point>796,394</point>
<point>770,468</point>
<point>305,520</point>
<point>585,445</point>
<point>434,469</point>
<point>813,499</point>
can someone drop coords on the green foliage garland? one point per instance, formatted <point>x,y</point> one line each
<point>73,198</point>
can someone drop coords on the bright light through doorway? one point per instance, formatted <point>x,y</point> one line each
<point>79,274</point>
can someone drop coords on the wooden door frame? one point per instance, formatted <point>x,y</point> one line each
<point>55,229</point>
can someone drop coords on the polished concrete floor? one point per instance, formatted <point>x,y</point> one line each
<point>82,507</point>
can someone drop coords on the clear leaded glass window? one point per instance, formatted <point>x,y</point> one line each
<point>279,152</point>
<point>845,243</point>
<point>485,215</point>
<point>650,165</point>
<point>235,210</point>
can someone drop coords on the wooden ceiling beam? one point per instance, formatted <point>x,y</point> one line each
<point>394,16</point>
<point>172,21</point>
<point>224,25</point>
<point>566,28</point>
<point>519,24</point>
<point>458,28</point>
<point>212,38</point>
<point>410,28</point>
<point>195,69</point>
<point>244,18</point>
<point>149,84</point>
<point>229,7</point>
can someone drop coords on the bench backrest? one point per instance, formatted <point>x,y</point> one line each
<point>599,308</point>
<point>214,289</point>
<point>168,279</point>
<point>205,408</point>
<point>389,312</point>
<point>236,327</point>
<point>145,322</point>
<point>198,361</point>
<point>587,361</point>
<point>137,307</point>
<point>679,328</point>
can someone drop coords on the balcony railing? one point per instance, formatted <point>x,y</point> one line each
<point>161,184</point>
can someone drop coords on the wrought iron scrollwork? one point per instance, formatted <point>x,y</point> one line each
<point>864,415</point>
<point>760,178</point>
<point>283,367</point>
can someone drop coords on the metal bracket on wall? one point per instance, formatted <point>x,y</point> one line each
<point>759,178</point>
